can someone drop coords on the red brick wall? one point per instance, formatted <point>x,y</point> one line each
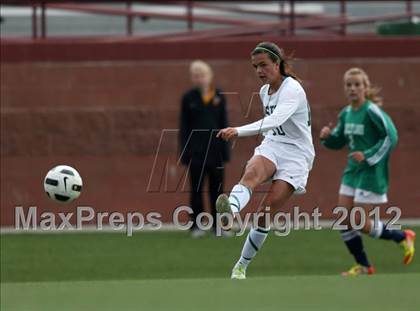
<point>106,118</point>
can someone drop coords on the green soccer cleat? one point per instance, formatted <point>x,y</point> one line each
<point>238,272</point>
<point>223,207</point>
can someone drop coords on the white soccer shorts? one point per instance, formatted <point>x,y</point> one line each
<point>363,196</point>
<point>291,164</point>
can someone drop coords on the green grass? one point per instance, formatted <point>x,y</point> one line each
<point>382,292</point>
<point>171,271</point>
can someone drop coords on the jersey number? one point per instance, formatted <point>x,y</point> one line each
<point>278,131</point>
<point>351,141</point>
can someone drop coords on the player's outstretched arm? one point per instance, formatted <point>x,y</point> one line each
<point>227,133</point>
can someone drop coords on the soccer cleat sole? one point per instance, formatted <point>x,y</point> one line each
<point>223,207</point>
<point>223,204</point>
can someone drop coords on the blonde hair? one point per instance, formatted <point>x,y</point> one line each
<point>372,92</point>
<point>201,66</point>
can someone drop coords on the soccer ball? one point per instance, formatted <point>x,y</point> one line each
<point>63,184</point>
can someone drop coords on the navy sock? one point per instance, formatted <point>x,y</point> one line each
<point>354,244</point>
<point>395,235</point>
<point>382,232</point>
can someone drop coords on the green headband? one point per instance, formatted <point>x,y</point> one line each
<point>267,50</point>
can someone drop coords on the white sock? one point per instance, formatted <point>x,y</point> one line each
<point>239,197</point>
<point>253,244</point>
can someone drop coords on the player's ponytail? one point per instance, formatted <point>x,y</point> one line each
<point>372,92</point>
<point>283,68</point>
<point>277,55</point>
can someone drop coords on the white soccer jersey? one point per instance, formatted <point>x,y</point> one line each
<point>287,117</point>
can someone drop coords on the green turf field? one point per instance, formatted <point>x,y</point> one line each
<point>171,271</point>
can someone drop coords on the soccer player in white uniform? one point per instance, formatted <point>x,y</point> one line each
<point>285,155</point>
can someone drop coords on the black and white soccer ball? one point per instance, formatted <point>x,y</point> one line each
<point>63,184</point>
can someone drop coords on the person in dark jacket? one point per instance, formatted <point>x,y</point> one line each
<point>203,112</point>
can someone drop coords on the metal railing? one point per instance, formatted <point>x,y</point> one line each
<point>288,23</point>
